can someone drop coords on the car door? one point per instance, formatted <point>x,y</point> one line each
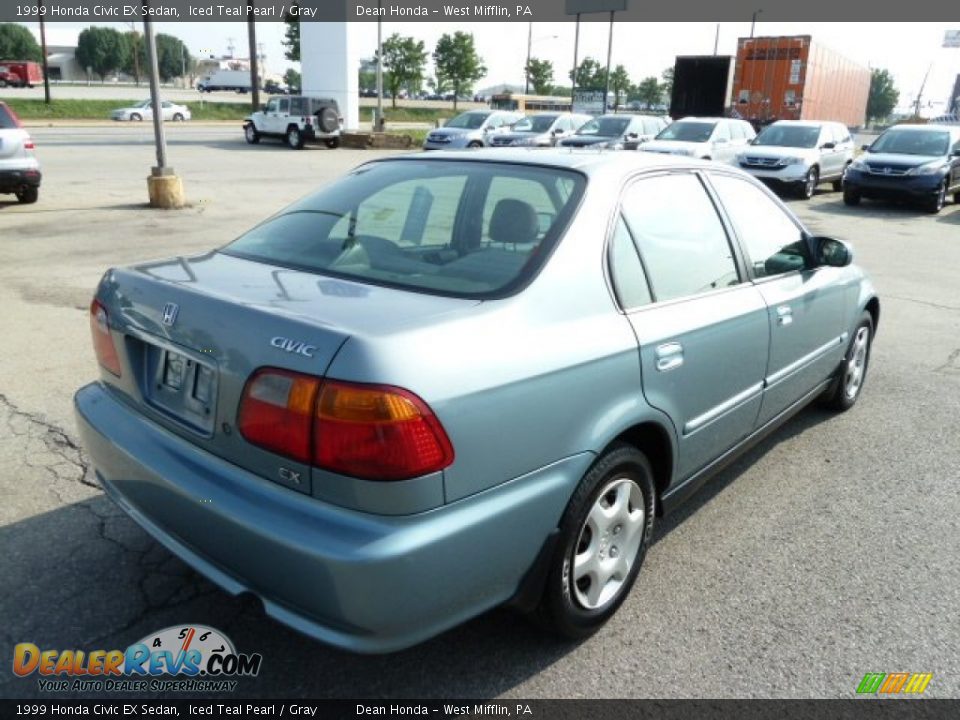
<point>831,154</point>
<point>723,147</point>
<point>805,302</point>
<point>166,108</point>
<point>270,121</point>
<point>702,332</point>
<point>955,162</point>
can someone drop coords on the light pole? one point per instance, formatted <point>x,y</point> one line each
<point>378,123</point>
<point>254,72</point>
<point>164,187</point>
<point>753,21</point>
<point>530,42</point>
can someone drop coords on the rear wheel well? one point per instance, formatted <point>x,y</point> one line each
<point>653,441</point>
<point>873,307</point>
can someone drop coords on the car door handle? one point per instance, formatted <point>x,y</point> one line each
<point>669,356</point>
<point>784,315</point>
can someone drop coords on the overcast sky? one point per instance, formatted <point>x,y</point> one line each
<point>906,49</point>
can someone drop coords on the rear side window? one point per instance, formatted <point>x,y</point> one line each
<point>467,229</point>
<point>772,240</point>
<point>683,244</point>
<point>6,119</point>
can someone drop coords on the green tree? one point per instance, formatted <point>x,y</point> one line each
<point>619,83</point>
<point>649,92</point>
<point>591,75</point>
<point>135,59</point>
<point>666,86</point>
<point>291,36</point>
<point>17,43</point>
<point>883,95</point>
<point>540,73</point>
<point>292,78</point>
<point>403,62</point>
<point>173,58</point>
<point>438,83</point>
<point>457,62</point>
<point>102,49</point>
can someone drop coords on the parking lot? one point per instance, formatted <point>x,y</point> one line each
<point>828,551</point>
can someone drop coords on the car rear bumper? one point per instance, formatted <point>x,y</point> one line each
<point>918,187</point>
<point>363,582</point>
<point>12,180</point>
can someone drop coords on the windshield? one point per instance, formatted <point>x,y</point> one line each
<point>466,229</point>
<point>912,142</point>
<point>469,121</point>
<point>536,124</point>
<point>688,131</point>
<point>788,136</point>
<point>605,127</point>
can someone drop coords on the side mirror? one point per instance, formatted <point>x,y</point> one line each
<point>828,146</point>
<point>831,252</point>
<point>263,108</point>
<point>864,147</point>
<point>632,136</point>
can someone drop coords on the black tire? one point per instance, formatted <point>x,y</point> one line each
<point>136,117</point>
<point>936,204</point>
<point>851,197</point>
<point>294,138</point>
<point>837,184</point>
<point>28,195</point>
<point>839,396</point>
<point>474,144</point>
<point>250,134</point>
<point>810,183</point>
<point>332,143</point>
<point>328,119</point>
<point>178,117</point>
<point>560,608</point>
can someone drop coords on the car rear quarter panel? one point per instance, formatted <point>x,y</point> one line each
<point>525,381</point>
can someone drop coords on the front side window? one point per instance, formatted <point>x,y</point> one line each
<point>770,237</point>
<point>272,106</point>
<point>284,106</point>
<point>684,247</point>
<point>467,229</point>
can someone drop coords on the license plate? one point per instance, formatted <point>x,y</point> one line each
<point>182,387</point>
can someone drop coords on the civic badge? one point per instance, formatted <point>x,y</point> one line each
<point>170,311</point>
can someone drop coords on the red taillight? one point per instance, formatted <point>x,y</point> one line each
<point>277,410</point>
<point>102,339</point>
<point>375,432</point>
<point>28,144</point>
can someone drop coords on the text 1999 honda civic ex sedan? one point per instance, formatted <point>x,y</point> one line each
<point>443,384</point>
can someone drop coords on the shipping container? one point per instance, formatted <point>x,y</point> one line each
<point>701,86</point>
<point>795,78</point>
<point>20,73</point>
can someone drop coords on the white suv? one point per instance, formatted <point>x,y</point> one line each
<point>19,167</point>
<point>798,155</point>
<point>717,139</point>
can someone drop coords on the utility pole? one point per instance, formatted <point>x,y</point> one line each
<point>43,51</point>
<point>526,70</point>
<point>716,40</point>
<point>606,88</point>
<point>753,21</point>
<point>916,107</point>
<point>378,120</point>
<point>573,75</point>
<point>164,187</point>
<point>254,73</point>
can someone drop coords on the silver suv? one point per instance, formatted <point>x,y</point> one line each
<point>798,155</point>
<point>297,120</point>
<point>19,168</point>
<point>472,129</point>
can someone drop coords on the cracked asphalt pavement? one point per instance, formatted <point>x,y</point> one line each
<point>829,551</point>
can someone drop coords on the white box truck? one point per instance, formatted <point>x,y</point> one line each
<point>236,80</point>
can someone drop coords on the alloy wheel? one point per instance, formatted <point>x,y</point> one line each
<point>857,364</point>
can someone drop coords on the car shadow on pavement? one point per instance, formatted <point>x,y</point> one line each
<point>85,576</point>
<point>874,209</point>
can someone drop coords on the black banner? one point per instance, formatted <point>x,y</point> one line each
<point>533,709</point>
<point>466,10</point>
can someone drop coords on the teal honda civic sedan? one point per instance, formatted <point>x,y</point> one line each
<point>447,383</point>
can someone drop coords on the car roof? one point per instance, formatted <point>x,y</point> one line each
<point>804,123</point>
<point>917,128</point>
<point>591,162</point>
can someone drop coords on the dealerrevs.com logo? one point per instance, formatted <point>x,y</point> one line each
<point>191,658</point>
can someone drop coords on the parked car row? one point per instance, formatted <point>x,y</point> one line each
<point>912,162</point>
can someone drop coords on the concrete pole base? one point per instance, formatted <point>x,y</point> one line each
<point>166,191</point>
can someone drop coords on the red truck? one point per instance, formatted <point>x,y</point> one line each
<point>20,73</point>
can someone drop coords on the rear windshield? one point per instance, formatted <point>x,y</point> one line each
<point>912,142</point>
<point>6,119</point>
<point>460,228</point>
<point>688,131</point>
<point>797,136</point>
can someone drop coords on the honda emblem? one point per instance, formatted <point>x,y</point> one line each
<point>170,311</point>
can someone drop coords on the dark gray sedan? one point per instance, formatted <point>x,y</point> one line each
<point>453,381</point>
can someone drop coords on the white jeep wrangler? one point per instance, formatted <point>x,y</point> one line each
<point>297,119</point>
